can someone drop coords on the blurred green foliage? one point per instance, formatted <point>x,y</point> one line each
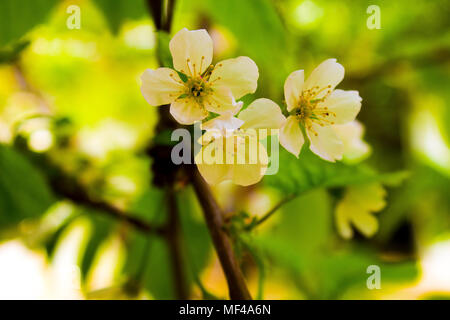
<point>88,80</point>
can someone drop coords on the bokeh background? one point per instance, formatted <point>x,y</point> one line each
<point>70,101</point>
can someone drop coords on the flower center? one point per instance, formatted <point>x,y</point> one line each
<point>197,88</point>
<point>310,110</point>
<point>304,109</point>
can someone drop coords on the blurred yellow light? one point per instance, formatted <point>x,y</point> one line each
<point>5,132</point>
<point>436,267</point>
<point>22,272</point>
<point>40,140</point>
<point>140,37</point>
<point>107,136</point>
<point>427,140</point>
<point>306,13</point>
<point>123,183</point>
<point>70,47</point>
<point>108,260</point>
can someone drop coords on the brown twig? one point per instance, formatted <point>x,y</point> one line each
<point>212,212</point>
<point>214,219</point>
<point>173,237</point>
<point>164,171</point>
<point>67,187</point>
<point>273,210</point>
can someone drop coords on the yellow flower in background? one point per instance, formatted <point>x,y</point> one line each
<point>317,107</point>
<point>207,87</point>
<point>357,207</point>
<point>231,145</point>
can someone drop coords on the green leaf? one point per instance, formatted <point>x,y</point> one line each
<point>303,229</point>
<point>19,17</point>
<point>101,228</point>
<point>260,34</point>
<point>148,259</point>
<point>302,244</point>
<point>23,191</point>
<point>163,52</point>
<point>195,233</point>
<point>309,172</point>
<point>118,11</point>
<point>50,242</point>
<point>343,270</point>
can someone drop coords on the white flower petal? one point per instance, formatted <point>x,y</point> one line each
<point>293,87</point>
<point>325,143</point>
<point>212,165</point>
<point>187,111</point>
<point>351,133</point>
<point>214,173</point>
<point>343,106</point>
<point>249,173</point>
<point>221,101</point>
<point>291,136</point>
<point>262,114</point>
<point>225,124</point>
<point>192,51</point>
<point>328,73</point>
<point>161,86</point>
<point>237,106</point>
<point>240,75</point>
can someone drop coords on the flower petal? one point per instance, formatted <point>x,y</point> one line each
<point>225,125</point>
<point>351,133</point>
<point>161,86</point>
<point>342,219</point>
<point>357,207</point>
<point>291,136</point>
<point>325,143</point>
<point>192,51</point>
<point>212,171</point>
<point>366,223</point>
<point>372,196</point>
<point>293,87</point>
<point>240,75</point>
<point>187,111</point>
<point>244,171</point>
<point>221,101</point>
<point>343,106</point>
<point>328,73</point>
<point>262,114</point>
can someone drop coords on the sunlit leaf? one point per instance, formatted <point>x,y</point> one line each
<point>118,11</point>
<point>309,172</point>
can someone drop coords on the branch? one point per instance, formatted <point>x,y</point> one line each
<point>272,211</point>
<point>173,237</point>
<point>214,219</point>
<point>67,187</point>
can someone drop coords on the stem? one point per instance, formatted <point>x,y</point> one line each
<point>173,237</point>
<point>70,189</point>
<point>273,210</point>
<point>213,215</point>
<point>214,219</point>
<point>164,176</point>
